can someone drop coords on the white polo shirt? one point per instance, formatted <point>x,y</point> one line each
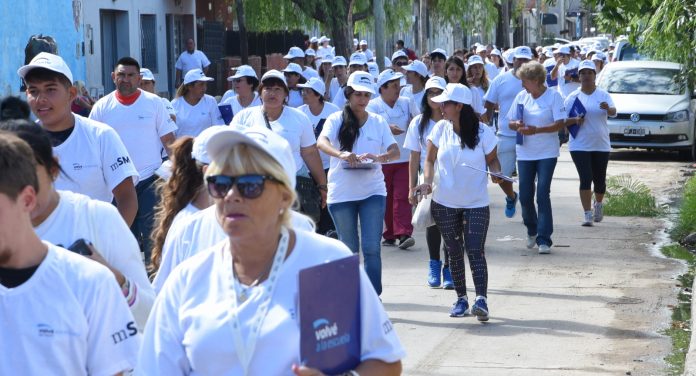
<point>192,120</point>
<point>140,125</point>
<point>188,61</point>
<point>94,160</point>
<point>400,114</point>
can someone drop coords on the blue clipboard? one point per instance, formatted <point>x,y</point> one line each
<point>577,109</point>
<point>226,112</point>
<point>519,137</point>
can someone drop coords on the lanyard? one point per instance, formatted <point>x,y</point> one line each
<point>245,350</point>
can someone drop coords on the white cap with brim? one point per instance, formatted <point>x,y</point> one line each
<point>438,51</point>
<point>435,82</point>
<point>418,67</point>
<point>388,75</point>
<point>324,39</point>
<point>601,56</point>
<point>339,61</point>
<point>313,40</point>
<point>310,52</point>
<point>243,71</point>
<point>587,64</point>
<point>496,52</point>
<point>146,75</point>
<point>315,84</point>
<point>261,137</point>
<point>293,68</point>
<point>363,42</point>
<point>274,74</point>
<point>196,75</point>
<point>564,50</point>
<point>48,61</point>
<point>199,150</point>
<point>474,60</point>
<point>361,81</point>
<point>523,52</point>
<point>294,53</point>
<point>398,54</point>
<point>358,58</point>
<point>455,93</point>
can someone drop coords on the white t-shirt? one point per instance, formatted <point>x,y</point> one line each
<point>593,134</point>
<point>295,98</point>
<point>69,318</point>
<point>329,108</point>
<point>491,70</point>
<point>460,186</point>
<point>323,51</point>
<point>190,331</point>
<point>236,106</point>
<point>78,217</point>
<point>339,99</point>
<point>334,89</point>
<point>197,232</point>
<point>292,125</point>
<point>357,184</point>
<point>192,120</point>
<point>477,103</point>
<point>140,125</point>
<point>94,159</point>
<point>168,106</point>
<point>540,112</point>
<point>417,142</point>
<point>400,115</point>
<point>188,61</point>
<point>502,91</point>
<point>417,98</point>
<point>309,72</point>
<point>565,88</point>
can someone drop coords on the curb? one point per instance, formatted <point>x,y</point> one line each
<point>690,362</point>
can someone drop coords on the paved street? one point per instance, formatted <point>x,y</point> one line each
<point>595,306</point>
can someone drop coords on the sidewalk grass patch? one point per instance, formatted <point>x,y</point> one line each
<point>628,197</point>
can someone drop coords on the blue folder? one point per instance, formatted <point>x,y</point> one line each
<point>577,109</point>
<point>329,311</point>
<point>520,116</point>
<point>226,112</point>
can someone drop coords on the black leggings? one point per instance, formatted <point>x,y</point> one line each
<point>592,168</point>
<point>432,237</point>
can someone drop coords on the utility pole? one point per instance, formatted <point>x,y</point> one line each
<point>506,23</point>
<point>423,28</point>
<point>380,19</point>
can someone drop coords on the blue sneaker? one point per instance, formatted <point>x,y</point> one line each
<point>480,309</point>
<point>434,275</point>
<point>511,206</point>
<point>447,282</point>
<point>461,307</point>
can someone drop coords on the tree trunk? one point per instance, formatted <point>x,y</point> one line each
<point>243,39</point>
<point>342,30</point>
<point>378,8</point>
<point>423,28</point>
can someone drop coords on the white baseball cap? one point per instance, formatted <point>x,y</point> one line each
<point>293,68</point>
<point>363,42</point>
<point>196,75</point>
<point>315,84</point>
<point>261,137</point>
<point>565,49</point>
<point>313,40</point>
<point>274,74</point>
<point>436,82</point>
<point>587,64</point>
<point>199,151</point>
<point>456,93</point>
<point>324,39</point>
<point>48,61</point>
<point>601,56</point>
<point>509,56</point>
<point>243,71</point>
<point>548,53</point>
<point>388,75</point>
<point>361,81</point>
<point>339,61</point>
<point>480,48</point>
<point>355,42</point>
<point>523,52</point>
<point>146,75</point>
<point>295,52</point>
<point>358,58</point>
<point>373,68</point>
<point>398,54</point>
<point>310,52</point>
<point>496,52</point>
<point>439,51</point>
<point>418,67</point>
<point>474,59</point>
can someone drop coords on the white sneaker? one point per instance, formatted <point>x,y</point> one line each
<point>598,211</point>
<point>588,219</point>
<point>544,249</point>
<point>531,241</point>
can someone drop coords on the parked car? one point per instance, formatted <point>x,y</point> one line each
<point>655,109</point>
<point>624,51</point>
<point>592,41</point>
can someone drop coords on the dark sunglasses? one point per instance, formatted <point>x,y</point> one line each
<point>248,186</point>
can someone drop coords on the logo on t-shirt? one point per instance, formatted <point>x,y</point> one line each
<point>46,330</point>
<point>124,334</point>
<point>120,161</point>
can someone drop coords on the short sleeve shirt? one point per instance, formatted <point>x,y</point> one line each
<point>192,120</point>
<point>188,61</point>
<point>540,112</point>
<point>502,91</point>
<point>593,134</point>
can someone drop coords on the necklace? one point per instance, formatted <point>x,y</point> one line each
<point>245,290</point>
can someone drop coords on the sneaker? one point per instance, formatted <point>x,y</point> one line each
<point>461,307</point>
<point>389,242</point>
<point>434,275</point>
<point>406,241</point>
<point>511,206</point>
<point>480,309</point>
<point>531,241</point>
<point>447,282</point>
<point>598,211</point>
<point>544,249</point>
<point>587,222</point>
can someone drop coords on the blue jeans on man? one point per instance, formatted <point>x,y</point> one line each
<point>538,223</point>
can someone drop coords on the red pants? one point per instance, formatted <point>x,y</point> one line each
<point>397,216</point>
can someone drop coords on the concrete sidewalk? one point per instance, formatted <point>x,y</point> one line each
<point>594,306</point>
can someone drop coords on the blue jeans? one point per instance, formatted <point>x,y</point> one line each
<point>540,224</point>
<point>371,212</point>
<point>144,219</point>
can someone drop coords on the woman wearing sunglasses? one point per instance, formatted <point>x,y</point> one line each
<point>416,142</point>
<point>244,83</point>
<point>461,149</point>
<point>232,309</point>
<point>355,139</point>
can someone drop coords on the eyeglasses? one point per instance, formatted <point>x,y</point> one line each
<point>249,186</point>
<point>401,63</point>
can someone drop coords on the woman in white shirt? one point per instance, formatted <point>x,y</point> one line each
<point>589,140</point>
<point>293,76</point>
<point>232,309</point>
<point>63,218</point>
<point>244,81</point>
<point>416,142</point>
<point>536,114</point>
<point>478,80</point>
<point>416,76</point>
<point>195,110</point>
<point>461,149</point>
<point>355,139</point>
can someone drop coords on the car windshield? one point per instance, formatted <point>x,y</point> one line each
<point>641,81</point>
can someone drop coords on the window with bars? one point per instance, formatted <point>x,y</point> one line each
<point>148,43</point>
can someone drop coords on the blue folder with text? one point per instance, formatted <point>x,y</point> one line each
<point>520,116</point>
<point>226,112</point>
<point>576,110</point>
<point>329,312</point>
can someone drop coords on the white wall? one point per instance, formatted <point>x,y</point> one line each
<point>135,8</point>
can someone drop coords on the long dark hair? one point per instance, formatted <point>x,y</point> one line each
<point>426,113</point>
<point>350,127</point>
<point>457,61</point>
<point>468,127</point>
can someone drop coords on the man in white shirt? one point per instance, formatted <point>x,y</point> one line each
<point>145,127</point>
<point>297,56</point>
<point>368,52</point>
<point>190,59</point>
<point>566,71</point>
<point>83,325</point>
<point>95,161</point>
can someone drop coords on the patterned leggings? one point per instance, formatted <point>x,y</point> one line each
<point>465,230</point>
